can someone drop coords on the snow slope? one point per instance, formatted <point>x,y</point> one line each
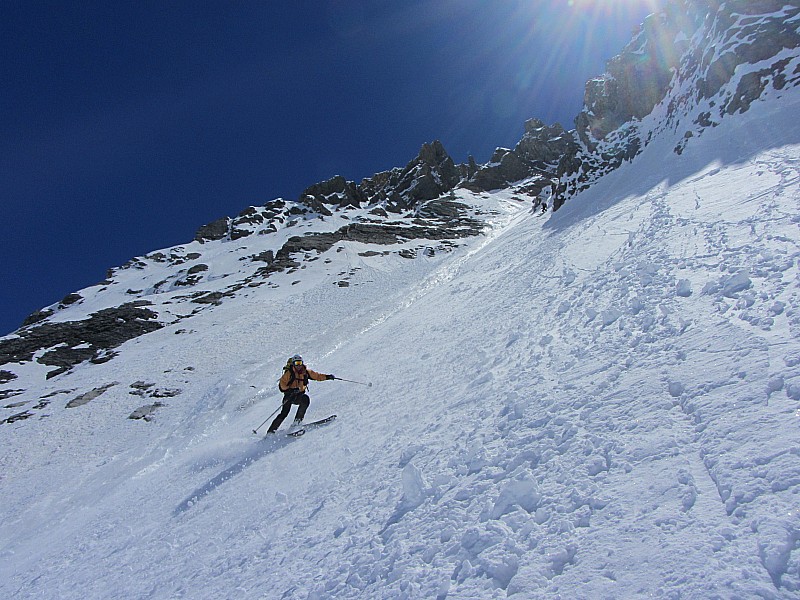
<point>604,403</point>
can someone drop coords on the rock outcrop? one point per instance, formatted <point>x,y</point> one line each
<point>70,343</point>
<point>535,156</point>
<point>431,174</point>
<point>694,53</point>
<point>336,191</point>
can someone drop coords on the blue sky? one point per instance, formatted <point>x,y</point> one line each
<point>127,125</point>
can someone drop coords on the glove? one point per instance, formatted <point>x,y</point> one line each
<point>329,377</point>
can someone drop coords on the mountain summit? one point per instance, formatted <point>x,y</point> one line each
<point>581,365</point>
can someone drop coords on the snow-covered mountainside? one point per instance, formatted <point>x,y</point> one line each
<point>598,402</point>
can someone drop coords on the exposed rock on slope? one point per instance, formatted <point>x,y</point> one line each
<point>697,60</point>
<point>70,343</point>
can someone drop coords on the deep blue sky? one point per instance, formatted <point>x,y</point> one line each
<point>124,126</point>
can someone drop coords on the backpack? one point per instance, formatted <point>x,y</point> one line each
<point>292,377</point>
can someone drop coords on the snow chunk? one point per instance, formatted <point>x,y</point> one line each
<point>774,549</point>
<point>414,493</point>
<point>519,492</point>
<point>636,306</point>
<point>610,316</point>
<point>501,566</point>
<point>409,453</point>
<point>777,308</point>
<point>683,288</point>
<point>676,389</point>
<point>560,559</point>
<point>413,486</point>
<point>735,284</point>
<point>775,384</point>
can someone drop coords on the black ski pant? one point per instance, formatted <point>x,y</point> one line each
<point>291,397</point>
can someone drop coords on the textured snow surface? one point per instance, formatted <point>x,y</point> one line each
<point>604,403</point>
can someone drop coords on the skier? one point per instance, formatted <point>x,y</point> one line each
<point>293,384</point>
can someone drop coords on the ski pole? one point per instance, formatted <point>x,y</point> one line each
<point>265,420</point>
<point>351,381</point>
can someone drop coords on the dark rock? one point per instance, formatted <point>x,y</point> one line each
<point>103,356</point>
<point>504,168</point>
<point>443,220</point>
<point>73,342</point>
<point>56,393</point>
<point>140,388</point>
<point>197,269</point>
<point>718,74</point>
<point>268,256</point>
<point>216,230</point>
<point>70,299</point>
<point>6,376</point>
<point>543,146</point>
<point>431,174</point>
<point>471,167</point>
<point>444,210</point>
<point>214,298</point>
<point>134,263</point>
<point>89,396</point>
<point>752,85</point>
<point>762,40</point>
<point>188,281</point>
<point>251,215</point>
<point>64,358</point>
<point>337,191</point>
<point>237,234</point>
<point>379,212</point>
<point>149,390</point>
<point>537,154</point>
<point>704,119</point>
<point>18,417</point>
<point>37,317</point>
<point>146,412</point>
<point>6,394</point>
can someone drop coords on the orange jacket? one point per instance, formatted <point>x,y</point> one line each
<point>288,382</point>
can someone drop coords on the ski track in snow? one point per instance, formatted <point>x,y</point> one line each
<point>599,405</point>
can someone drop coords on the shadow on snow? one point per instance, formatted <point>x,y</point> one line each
<point>263,448</point>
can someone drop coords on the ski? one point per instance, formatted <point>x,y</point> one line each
<point>305,426</point>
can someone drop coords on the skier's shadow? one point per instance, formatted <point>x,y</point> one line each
<point>263,448</point>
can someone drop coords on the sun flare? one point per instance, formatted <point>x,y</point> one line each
<point>605,8</point>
